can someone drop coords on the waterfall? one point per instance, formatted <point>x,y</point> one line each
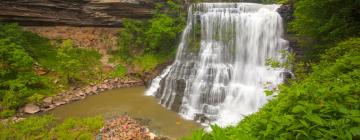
<point>219,74</point>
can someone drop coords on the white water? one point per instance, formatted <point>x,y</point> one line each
<point>226,75</point>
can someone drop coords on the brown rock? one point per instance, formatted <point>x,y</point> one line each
<point>41,71</point>
<point>59,102</point>
<point>31,109</point>
<point>74,12</point>
<point>48,100</point>
<point>88,90</point>
<point>94,88</point>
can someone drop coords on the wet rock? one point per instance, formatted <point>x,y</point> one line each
<point>201,118</point>
<point>31,108</point>
<point>59,102</point>
<point>180,89</point>
<point>52,106</point>
<point>286,12</point>
<point>287,76</point>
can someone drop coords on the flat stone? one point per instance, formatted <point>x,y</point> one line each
<point>31,109</point>
<point>95,88</point>
<point>48,100</point>
<point>57,103</point>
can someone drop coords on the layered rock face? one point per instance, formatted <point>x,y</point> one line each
<point>73,12</point>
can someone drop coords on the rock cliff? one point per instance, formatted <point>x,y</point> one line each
<point>73,12</point>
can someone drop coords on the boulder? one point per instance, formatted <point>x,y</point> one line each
<point>31,108</point>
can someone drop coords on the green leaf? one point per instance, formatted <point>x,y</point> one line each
<point>303,122</point>
<point>301,132</point>
<point>355,131</point>
<point>356,119</point>
<point>316,133</point>
<point>315,118</point>
<point>298,109</point>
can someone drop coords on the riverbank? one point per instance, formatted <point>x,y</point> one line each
<point>75,94</point>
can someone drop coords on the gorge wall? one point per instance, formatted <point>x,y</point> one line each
<point>73,12</point>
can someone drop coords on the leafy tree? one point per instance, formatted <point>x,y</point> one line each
<point>23,52</point>
<point>69,65</point>
<point>17,77</point>
<point>321,23</point>
<point>154,40</point>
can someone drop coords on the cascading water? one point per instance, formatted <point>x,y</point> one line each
<point>219,72</point>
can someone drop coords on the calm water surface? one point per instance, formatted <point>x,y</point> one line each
<point>133,102</point>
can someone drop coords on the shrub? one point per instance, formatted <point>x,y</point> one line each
<point>46,127</point>
<point>142,41</point>
<point>120,71</point>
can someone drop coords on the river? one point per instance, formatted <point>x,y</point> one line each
<point>132,102</point>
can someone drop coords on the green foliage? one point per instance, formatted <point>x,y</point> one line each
<point>18,80</point>
<point>46,127</point>
<point>31,128</point>
<point>326,20</point>
<point>76,63</point>
<point>147,62</point>
<point>72,129</point>
<point>197,135</point>
<point>22,53</point>
<point>320,23</point>
<point>287,64</point>
<point>69,65</point>
<point>120,71</point>
<point>325,105</point>
<point>131,38</point>
<point>141,42</point>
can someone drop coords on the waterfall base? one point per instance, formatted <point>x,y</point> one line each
<point>220,72</point>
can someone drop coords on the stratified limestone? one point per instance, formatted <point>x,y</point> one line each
<point>75,13</point>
